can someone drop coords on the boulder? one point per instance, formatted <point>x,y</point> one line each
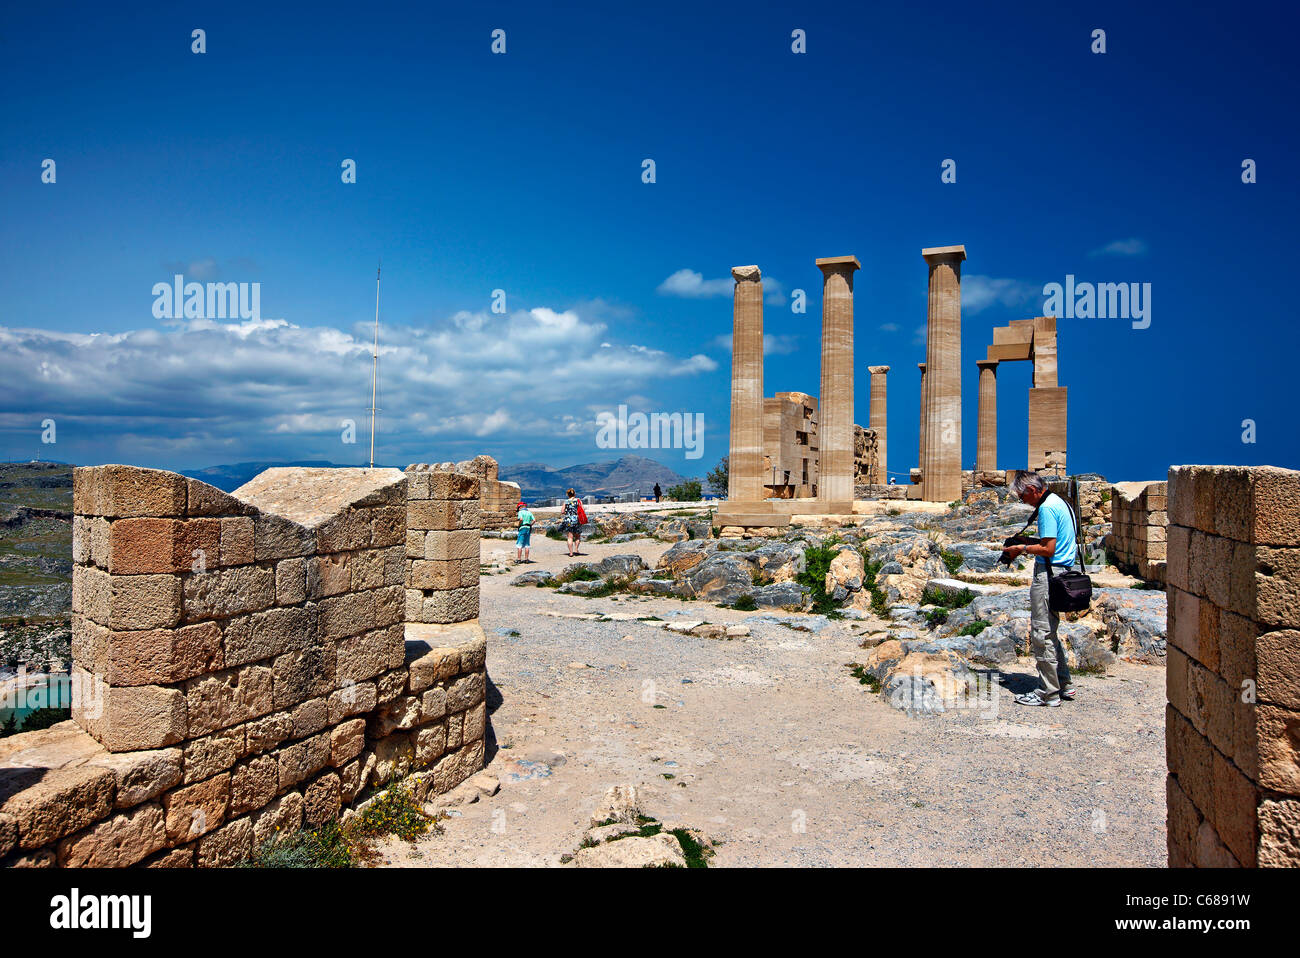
<point>672,530</point>
<point>976,558</point>
<point>845,574</point>
<point>685,556</point>
<point>782,595</point>
<point>1135,620</point>
<point>619,566</point>
<point>537,577</point>
<point>657,851</point>
<point>720,578</point>
<point>622,803</point>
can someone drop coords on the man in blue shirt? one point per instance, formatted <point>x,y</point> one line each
<point>1057,545</point>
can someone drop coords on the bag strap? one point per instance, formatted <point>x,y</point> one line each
<point>1078,541</point>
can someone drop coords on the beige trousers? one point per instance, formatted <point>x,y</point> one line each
<point>1053,672</point>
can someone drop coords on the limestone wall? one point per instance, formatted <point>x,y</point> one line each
<point>248,662</point>
<point>1138,534</point>
<point>498,501</point>
<point>1233,677</point>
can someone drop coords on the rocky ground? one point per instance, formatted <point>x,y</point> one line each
<point>753,729</point>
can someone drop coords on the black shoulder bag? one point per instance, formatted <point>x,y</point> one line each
<point>1069,591</point>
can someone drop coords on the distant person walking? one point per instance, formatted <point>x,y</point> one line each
<point>572,519</point>
<point>1056,545</point>
<point>523,538</point>
<point>658,492</point>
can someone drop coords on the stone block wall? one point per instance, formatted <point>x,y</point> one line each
<point>498,501</point>
<point>1138,534</point>
<point>1232,722</point>
<point>242,663</point>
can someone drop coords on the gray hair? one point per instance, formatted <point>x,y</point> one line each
<point>1028,480</point>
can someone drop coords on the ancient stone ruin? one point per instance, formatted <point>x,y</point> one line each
<point>1033,340</point>
<point>1232,727</point>
<point>251,662</point>
<point>1139,517</point>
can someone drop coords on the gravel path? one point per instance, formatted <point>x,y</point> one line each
<point>778,754</point>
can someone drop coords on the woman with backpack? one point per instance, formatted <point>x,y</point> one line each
<point>572,519</point>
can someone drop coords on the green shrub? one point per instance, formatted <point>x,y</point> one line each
<point>864,677</point>
<point>953,560</point>
<point>817,562</point>
<point>580,574</point>
<point>973,628</point>
<point>745,603</point>
<point>688,491</point>
<point>323,847</point>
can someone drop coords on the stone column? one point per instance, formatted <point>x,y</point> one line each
<point>986,455</point>
<point>920,455</point>
<point>835,426</point>
<point>941,470</point>
<point>745,465</point>
<point>879,415</point>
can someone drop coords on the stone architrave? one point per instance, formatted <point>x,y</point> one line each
<point>745,465</point>
<point>986,455</point>
<point>835,426</point>
<point>941,470</point>
<point>879,416</point>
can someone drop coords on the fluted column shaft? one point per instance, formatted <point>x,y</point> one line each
<point>986,454</point>
<point>941,470</point>
<point>920,455</point>
<point>745,465</point>
<point>879,415</point>
<point>835,425</point>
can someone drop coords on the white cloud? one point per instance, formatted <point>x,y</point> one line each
<point>688,284</point>
<point>889,327</point>
<point>1124,247</point>
<point>980,292</point>
<point>258,389</point>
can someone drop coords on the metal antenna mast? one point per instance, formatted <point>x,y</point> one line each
<point>374,376</point>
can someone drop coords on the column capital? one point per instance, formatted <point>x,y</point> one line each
<point>746,274</point>
<point>921,366</point>
<point>838,264</point>
<point>987,364</point>
<point>944,254</point>
<point>877,370</point>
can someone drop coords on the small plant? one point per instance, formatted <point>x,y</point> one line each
<point>864,677</point>
<point>1105,495</point>
<point>1150,586</point>
<point>580,574</point>
<point>936,617</point>
<point>973,628</point>
<point>323,847</point>
<point>953,560</point>
<point>745,603</point>
<point>555,534</point>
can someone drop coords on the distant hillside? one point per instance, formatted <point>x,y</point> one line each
<point>231,476</point>
<point>630,474</point>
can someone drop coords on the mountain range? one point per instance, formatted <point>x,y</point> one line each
<point>629,474</point>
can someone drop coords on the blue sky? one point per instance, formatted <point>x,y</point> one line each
<point>523,172</point>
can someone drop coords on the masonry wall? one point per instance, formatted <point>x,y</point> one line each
<point>242,663</point>
<point>1233,680</point>
<point>1138,535</point>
